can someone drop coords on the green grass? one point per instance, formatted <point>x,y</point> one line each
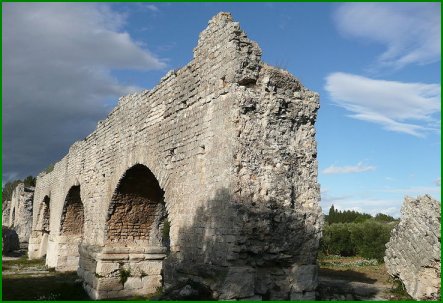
<point>22,263</point>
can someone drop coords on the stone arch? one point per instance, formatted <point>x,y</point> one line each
<point>72,220</point>
<point>44,215</point>
<point>137,214</point>
<point>43,226</point>
<point>71,230</point>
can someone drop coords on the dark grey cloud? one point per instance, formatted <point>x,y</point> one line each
<point>57,62</point>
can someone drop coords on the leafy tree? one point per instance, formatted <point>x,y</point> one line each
<point>384,218</point>
<point>337,240</point>
<point>29,181</point>
<point>370,238</point>
<point>345,216</point>
<point>10,186</point>
<point>7,190</point>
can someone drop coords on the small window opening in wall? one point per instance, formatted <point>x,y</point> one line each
<point>172,151</point>
<point>184,102</point>
<point>202,149</point>
<point>103,175</point>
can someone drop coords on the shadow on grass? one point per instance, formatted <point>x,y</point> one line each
<point>346,285</point>
<point>59,287</point>
<point>348,275</point>
<point>16,253</point>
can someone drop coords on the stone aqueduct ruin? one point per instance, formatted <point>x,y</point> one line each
<point>210,176</point>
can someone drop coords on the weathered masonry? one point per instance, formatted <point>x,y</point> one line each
<point>413,253</point>
<point>210,176</point>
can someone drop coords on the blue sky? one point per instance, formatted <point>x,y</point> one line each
<point>375,65</point>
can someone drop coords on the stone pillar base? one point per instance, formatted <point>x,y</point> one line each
<point>117,272</point>
<point>67,253</point>
<point>38,245</point>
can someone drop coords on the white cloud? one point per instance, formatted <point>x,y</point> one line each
<point>152,7</point>
<point>438,181</point>
<point>359,168</point>
<point>414,190</point>
<point>409,108</point>
<point>57,63</point>
<point>410,31</point>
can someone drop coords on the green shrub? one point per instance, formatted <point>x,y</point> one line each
<point>384,218</point>
<point>370,238</point>
<point>366,239</point>
<point>124,274</point>
<point>337,240</point>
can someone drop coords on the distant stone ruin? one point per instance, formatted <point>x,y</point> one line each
<point>10,241</point>
<point>17,213</point>
<point>210,177</point>
<point>413,253</point>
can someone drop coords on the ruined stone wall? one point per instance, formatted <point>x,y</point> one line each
<point>231,143</point>
<point>20,211</point>
<point>413,252</point>
<point>6,207</point>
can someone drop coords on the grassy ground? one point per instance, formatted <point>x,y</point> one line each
<point>31,280</point>
<point>357,269</point>
<point>24,279</point>
<point>22,263</point>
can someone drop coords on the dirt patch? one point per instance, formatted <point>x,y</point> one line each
<point>355,278</point>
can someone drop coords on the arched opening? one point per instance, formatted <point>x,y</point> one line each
<point>71,231</point>
<point>73,214</point>
<point>12,218</point>
<point>44,211</point>
<point>44,216</point>
<point>136,236</point>
<point>137,212</point>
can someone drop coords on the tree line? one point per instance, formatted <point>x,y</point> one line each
<point>351,233</point>
<point>9,187</point>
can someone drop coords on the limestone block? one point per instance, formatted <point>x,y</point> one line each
<point>151,283</point>
<point>304,278</point>
<point>115,250</point>
<point>155,250</point>
<point>154,256</point>
<point>239,283</point>
<point>413,252</point>
<point>113,257</point>
<point>93,294</point>
<point>105,268</point>
<point>109,283</point>
<point>89,277</point>
<point>150,267</point>
<point>136,257</point>
<point>80,272</point>
<point>88,264</point>
<point>133,283</point>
